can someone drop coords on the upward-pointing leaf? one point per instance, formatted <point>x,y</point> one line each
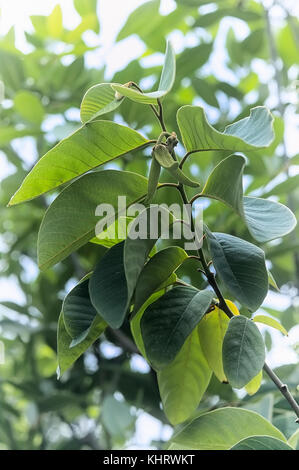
<point>225,182</point>
<point>165,85</point>
<point>167,323</point>
<point>98,100</point>
<point>267,219</point>
<point>71,220</point>
<point>241,266</point>
<point>243,351</point>
<point>92,145</point>
<point>249,133</point>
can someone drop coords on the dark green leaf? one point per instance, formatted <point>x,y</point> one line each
<point>243,351</point>
<point>167,323</point>
<point>241,266</point>
<point>70,221</point>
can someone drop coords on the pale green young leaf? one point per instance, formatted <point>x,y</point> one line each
<point>98,100</point>
<point>253,386</point>
<point>165,85</point>
<point>270,322</point>
<point>183,382</point>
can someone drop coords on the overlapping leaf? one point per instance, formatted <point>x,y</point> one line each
<point>221,429</point>
<point>92,145</point>
<point>183,382</point>
<point>243,351</point>
<point>241,266</point>
<point>70,221</point>
<point>167,323</point>
<point>165,85</point>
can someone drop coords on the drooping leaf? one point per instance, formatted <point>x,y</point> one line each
<point>78,311</point>
<point>241,266</point>
<point>211,331</point>
<point>243,351</point>
<point>165,85</point>
<point>249,133</point>
<point>167,323</point>
<point>92,145</point>
<point>108,287</point>
<point>253,386</point>
<point>137,249</point>
<point>221,429</point>
<point>267,219</point>
<point>225,182</point>
<point>261,443</point>
<point>156,271</point>
<point>270,322</point>
<point>71,220</point>
<point>98,100</point>
<point>183,382</point>
<point>68,355</point>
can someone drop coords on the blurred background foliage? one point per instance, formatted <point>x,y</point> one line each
<point>231,55</point>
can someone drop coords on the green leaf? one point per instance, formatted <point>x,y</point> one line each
<point>70,221</point>
<point>88,9</point>
<point>78,311</point>
<point>225,182</point>
<point>243,351</point>
<point>293,441</point>
<point>92,145</point>
<point>253,386</point>
<point>54,22</point>
<point>137,250</point>
<point>167,323</point>
<point>108,287</point>
<point>156,271</point>
<point>139,19</point>
<point>221,429</point>
<point>261,443</point>
<point>270,322</point>
<point>267,219</point>
<point>241,266</point>
<point>66,355</point>
<point>115,233</point>
<point>251,133</point>
<point>211,331</point>
<point>29,106</point>
<point>98,100</point>
<point>165,85</point>
<point>116,417</point>
<point>183,382</point>
<point>272,281</point>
